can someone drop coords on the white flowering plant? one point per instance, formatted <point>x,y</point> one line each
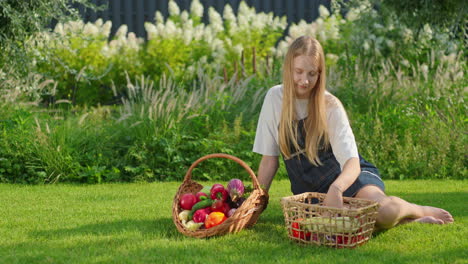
<point>178,44</point>
<point>81,59</point>
<point>68,55</point>
<point>87,64</point>
<point>91,67</point>
<point>246,33</point>
<point>374,36</point>
<point>326,28</point>
<point>371,37</point>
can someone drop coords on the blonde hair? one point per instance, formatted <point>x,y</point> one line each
<point>315,124</point>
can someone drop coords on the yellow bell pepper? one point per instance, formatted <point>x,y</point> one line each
<point>214,219</point>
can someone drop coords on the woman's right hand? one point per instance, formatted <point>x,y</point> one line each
<point>334,197</point>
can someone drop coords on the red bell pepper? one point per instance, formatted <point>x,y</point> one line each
<point>297,232</point>
<point>201,215</point>
<point>218,192</point>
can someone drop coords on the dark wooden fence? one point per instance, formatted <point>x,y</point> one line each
<point>134,13</point>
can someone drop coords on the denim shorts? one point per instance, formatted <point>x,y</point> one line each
<point>368,176</point>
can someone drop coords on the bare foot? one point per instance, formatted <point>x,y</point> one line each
<point>429,220</point>
<point>424,220</point>
<point>437,213</point>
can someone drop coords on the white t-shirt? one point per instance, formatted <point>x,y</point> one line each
<point>341,136</point>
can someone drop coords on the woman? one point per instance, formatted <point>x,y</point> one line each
<point>309,127</point>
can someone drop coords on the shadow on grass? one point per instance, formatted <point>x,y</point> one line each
<point>160,227</point>
<point>267,242</point>
<point>158,240</point>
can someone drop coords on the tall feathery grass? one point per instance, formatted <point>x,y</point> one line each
<point>154,135</point>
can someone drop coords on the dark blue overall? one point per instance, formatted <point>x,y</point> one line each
<point>306,177</point>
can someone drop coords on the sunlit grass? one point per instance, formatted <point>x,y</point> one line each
<point>131,223</point>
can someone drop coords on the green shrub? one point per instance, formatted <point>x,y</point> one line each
<point>409,126</point>
<point>19,20</point>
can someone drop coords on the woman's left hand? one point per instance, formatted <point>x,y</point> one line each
<point>334,197</point>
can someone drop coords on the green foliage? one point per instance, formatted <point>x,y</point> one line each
<point>172,103</point>
<point>447,13</point>
<point>89,68</point>
<point>19,20</point>
<point>152,137</point>
<point>16,148</point>
<point>409,126</point>
<point>77,63</point>
<point>387,35</point>
<point>172,57</point>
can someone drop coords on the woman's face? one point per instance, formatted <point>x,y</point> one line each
<point>305,74</point>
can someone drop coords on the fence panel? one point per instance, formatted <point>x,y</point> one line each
<point>134,13</point>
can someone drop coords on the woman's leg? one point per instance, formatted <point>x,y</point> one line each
<point>394,210</point>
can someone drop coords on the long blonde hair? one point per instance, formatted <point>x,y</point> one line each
<point>315,124</point>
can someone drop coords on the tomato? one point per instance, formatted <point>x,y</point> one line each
<point>345,240</point>
<point>187,201</point>
<point>218,206</point>
<point>297,232</point>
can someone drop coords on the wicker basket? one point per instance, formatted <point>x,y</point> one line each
<point>245,216</point>
<point>309,222</point>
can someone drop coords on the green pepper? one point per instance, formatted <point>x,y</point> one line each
<point>200,205</point>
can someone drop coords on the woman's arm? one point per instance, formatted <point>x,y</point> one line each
<point>348,176</point>
<point>345,150</point>
<point>267,170</point>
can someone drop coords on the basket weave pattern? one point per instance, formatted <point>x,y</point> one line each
<point>245,216</point>
<point>309,222</point>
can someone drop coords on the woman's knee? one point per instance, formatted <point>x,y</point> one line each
<point>389,212</point>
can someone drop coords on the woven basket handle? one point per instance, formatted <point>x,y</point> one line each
<point>188,175</point>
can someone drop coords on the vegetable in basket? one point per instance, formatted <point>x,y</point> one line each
<point>201,196</point>
<point>184,215</point>
<point>201,215</point>
<point>346,240</point>
<point>187,201</point>
<point>237,203</point>
<point>218,192</point>
<point>297,232</point>
<point>231,212</point>
<point>214,219</point>
<point>226,208</point>
<point>217,206</point>
<point>192,226</point>
<point>342,224</point>
<point>236,189</point>
<point>200,205</point>
<point>220,206</point>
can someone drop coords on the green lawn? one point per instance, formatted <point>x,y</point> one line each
<point>131,223</point>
